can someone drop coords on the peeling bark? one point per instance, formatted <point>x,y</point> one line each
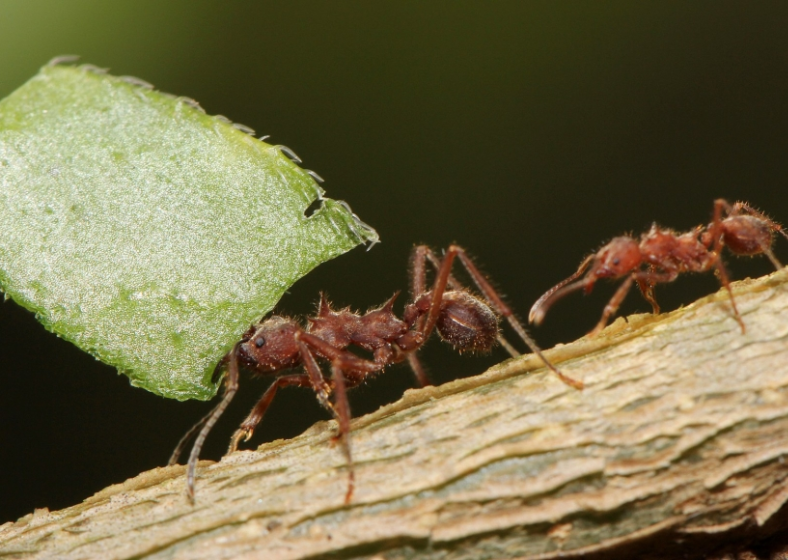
<point>677,445</point>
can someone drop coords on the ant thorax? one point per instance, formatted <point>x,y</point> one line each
<point>370,331</point>
<point>669,251</point>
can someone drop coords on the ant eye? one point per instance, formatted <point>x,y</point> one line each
<point>259,341</point>
<point>616,261</point>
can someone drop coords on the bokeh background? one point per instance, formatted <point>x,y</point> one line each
<point>528,132</point>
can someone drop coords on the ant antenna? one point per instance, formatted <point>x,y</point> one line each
<point>539,309</point>
<point>207,423</point>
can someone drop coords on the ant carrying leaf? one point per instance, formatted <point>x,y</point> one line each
<point>281,346</point>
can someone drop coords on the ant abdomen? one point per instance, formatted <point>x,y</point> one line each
<point>746,235</point>
<point>466,323</point>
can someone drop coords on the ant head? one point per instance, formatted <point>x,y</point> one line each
<point>618,258</point>
<point>271,345</point>
<point>466,323</point>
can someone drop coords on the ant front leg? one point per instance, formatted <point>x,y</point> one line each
<point>246,429</point>
<point>646,281</point>
<point>613,305</point>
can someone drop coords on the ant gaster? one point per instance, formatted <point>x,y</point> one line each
<point>280,344</point>
<point>662,254</point>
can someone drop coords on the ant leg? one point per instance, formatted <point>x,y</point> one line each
<point>246,429</point>
<point>725,281</point>
<point>231,386</point>
<point>341,408</point>
<point>342,414</point>
<point>418,279</point>
<point>647,289</point>
<point>316,379</point>
<point>421,254</point>
<point>495,300</point>
<point>418,274</point>
<point>777,264</point>
<point>715,229</point>
<point>716,234</point>
<point>613,305</point>
<point>418,370</point>
<point>508,347</point>
<point>347,360</point>
<point>648,279</point>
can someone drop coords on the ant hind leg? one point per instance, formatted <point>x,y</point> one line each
<point>725,281</point>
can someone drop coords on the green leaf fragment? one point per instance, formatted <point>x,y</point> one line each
<point>146,232</point>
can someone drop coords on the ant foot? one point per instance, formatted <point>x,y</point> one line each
<point>240,433</point>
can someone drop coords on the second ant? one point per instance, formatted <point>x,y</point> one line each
<point>662,254</point>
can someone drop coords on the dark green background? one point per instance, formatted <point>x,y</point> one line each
<point>529,132</point>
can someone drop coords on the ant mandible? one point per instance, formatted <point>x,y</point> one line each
<point>662,254</point>
<point>279,344</point>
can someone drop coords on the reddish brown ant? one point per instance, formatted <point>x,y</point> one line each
<point>279,344</point>
<point>662,254</point>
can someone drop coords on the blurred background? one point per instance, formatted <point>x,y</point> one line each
<point>528,132</point>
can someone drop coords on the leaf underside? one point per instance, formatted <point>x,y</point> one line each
<point>146,232</point>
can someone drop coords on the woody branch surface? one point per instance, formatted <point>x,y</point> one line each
<point>678,437</point>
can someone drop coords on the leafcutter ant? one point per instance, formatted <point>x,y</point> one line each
<point>662,254</point>
<point>280,347</point>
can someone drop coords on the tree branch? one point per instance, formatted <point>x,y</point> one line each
<point>678,440</point>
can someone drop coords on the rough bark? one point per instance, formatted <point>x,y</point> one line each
<point>677,444</point>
